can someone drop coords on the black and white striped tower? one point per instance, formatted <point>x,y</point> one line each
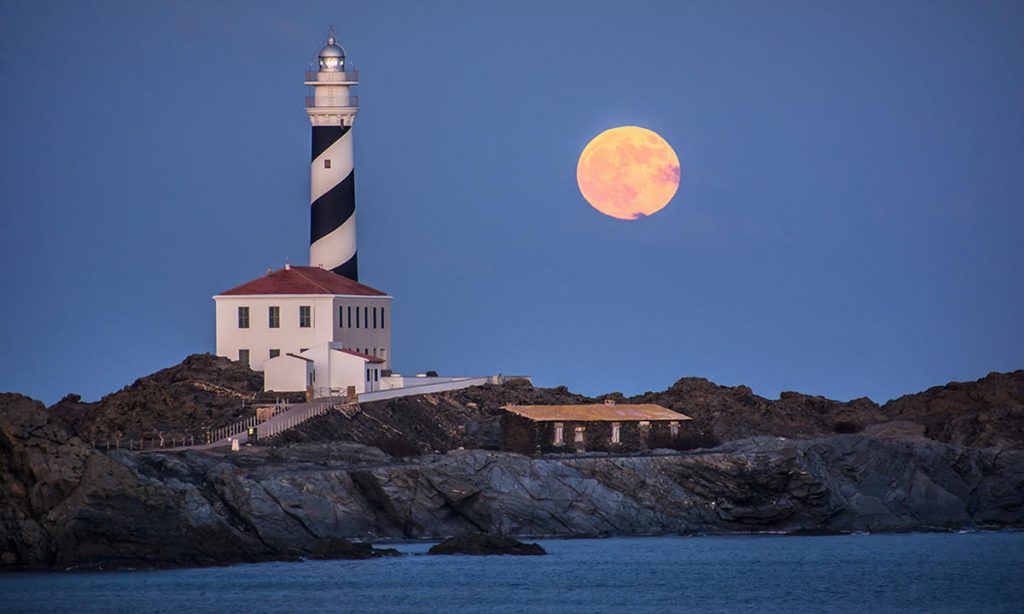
<point>332,109</point>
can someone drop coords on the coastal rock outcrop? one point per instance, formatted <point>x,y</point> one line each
<point>397,470</point>
<point>988,412</point>
<point>479,544</point>
<point>65,504</point>
<point>201,393</point>
<point>205,392</point>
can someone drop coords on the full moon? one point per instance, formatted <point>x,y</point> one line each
<point>628,172</point>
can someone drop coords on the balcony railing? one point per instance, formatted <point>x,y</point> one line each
<point>349,76</point>
<point>327,103</point>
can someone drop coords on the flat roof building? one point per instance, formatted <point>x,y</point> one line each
<point>609,427</point>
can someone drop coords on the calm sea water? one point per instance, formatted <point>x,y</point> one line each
<point>913,572</point>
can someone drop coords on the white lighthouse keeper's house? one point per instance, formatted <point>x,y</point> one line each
<point>307,327</point>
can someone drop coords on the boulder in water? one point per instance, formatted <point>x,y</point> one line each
<point>478,544</point>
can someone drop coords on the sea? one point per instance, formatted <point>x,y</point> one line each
<point>922,572</point>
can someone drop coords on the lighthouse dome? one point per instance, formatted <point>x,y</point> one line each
<point>332,56</point>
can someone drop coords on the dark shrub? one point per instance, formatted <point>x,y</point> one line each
<point>843,426</point>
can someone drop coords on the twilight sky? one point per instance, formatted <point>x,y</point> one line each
<point>850,219</point>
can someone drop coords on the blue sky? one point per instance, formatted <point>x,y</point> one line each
<point>849,220</point>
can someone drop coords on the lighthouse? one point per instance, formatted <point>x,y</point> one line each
<point>316,329</point>
<point>332,109</point>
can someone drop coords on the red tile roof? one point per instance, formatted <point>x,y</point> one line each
<point>367,357</point>
<point>302,280</point>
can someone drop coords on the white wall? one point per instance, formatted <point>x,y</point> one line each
<point>329,323</point>
<point>375,341</point>
<point>348,370</point>
<point>328,369</point>
<point>394,393</point>
<point>320,355</point>
<point>286,374</point>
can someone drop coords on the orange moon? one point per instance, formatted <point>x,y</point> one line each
<point>628,172</point>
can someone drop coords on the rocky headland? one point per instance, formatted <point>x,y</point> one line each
<point>428,467</point>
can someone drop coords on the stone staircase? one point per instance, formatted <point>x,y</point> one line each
<point>289,417</point>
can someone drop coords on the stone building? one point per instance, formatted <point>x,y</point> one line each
<point>606,427</point>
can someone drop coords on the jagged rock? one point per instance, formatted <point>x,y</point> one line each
<point>782,468</point>
<point>478,544</point>
<point>301,500</point>
<point>988,412</point>
<point>63,504</point>
<point>201,393</point>
<point>205,392</point>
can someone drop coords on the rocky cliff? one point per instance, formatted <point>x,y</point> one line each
<point>988,412</point>
<point>65,504</point>
<point>205,392</point>
<point>947,458</point>
<point>201,393</point>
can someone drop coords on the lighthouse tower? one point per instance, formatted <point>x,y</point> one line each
<point>332,109</point>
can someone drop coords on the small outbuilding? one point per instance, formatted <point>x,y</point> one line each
<point>607,427</point>
<point>325,369</point>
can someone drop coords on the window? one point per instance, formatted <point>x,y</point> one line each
<point>243,317</point>
<point>243,357</point>
<point>375,317</point>
<point>349,320</point>
<point>366,317</point>
<point>382,317</point>
<point>274,317</point>
<point>578,437</point>
<point>357,317</point>
<point>616,432</point>
<point>673,429</point>
<point>559,433</point>
<point>376,375</point>
<point>327,163</point>
<point>301,350</point>
<point>305,316</point>
<point>341,316</point>
<point>275,353</point>
<point>367,375</point>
